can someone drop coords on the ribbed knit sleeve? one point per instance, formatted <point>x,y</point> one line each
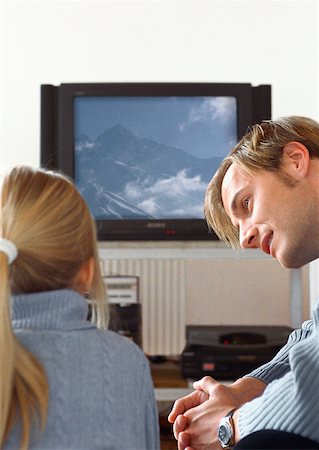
<point>290,403</point>
<point>279,365</point>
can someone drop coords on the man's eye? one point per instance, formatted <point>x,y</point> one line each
<point>246,203</point>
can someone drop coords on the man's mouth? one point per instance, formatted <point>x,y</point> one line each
<point>266,243</point>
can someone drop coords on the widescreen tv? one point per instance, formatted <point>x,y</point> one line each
<point>142,154</point>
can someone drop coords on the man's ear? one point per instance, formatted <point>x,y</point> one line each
<point>296,159</point>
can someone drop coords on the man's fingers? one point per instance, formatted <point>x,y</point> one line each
<point>184,404</point>
<point>205,384</point>
<point>180,425</point>
<point>184,440</point>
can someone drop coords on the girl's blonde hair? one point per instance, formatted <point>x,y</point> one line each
<point>260,149</point>
<point>49,222</point>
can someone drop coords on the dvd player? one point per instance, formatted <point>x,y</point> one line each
<point>229,352</point>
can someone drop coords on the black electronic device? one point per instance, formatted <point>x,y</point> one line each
<point>142,154</point>
<point>229,352</point>
<point>126,319</point>
<point>124,306</point>
<point>125,311</point>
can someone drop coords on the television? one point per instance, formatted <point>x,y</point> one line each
<point>142,154</point>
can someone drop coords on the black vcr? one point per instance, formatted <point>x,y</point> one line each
<point>229,352</point>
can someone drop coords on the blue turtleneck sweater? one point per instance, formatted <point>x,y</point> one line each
<point>101,393</point>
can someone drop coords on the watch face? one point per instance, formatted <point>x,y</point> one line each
<point>224,433</point>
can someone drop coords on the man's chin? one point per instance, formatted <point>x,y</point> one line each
<point>290,262</point>
<point>286,260</point>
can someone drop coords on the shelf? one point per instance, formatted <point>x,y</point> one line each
<point>176,250</point>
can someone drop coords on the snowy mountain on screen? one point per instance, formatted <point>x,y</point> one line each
<point>123,176</point>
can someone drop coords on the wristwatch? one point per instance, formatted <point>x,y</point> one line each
<point>226,430</point>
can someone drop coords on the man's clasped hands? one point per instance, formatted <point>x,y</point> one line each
<point>196,416</point>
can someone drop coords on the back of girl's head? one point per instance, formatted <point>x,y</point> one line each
<point>43,217</point>
<point>49,222</point>
<point>260,149</point>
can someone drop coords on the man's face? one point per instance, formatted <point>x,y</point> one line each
<point>271,215</point>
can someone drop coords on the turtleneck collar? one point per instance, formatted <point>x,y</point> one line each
<point>63,309</point>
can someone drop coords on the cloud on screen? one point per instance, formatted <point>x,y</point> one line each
<point>179,194</point>
<point>213,109</point>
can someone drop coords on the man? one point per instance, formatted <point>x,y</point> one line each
<point>264,195</point>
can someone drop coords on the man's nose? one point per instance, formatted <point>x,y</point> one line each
<point>248,237</point>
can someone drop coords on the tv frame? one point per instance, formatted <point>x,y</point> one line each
<point>57,138</point>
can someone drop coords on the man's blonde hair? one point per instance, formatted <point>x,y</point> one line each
<point>260,149</point>
<point>47,219</point>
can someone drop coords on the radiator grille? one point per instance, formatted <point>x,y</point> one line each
<point>162,294</point>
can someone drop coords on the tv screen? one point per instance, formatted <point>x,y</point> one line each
<point>142,155</point>
<point>150,158</point>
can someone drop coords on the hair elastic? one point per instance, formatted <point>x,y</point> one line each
<point>9,248</point>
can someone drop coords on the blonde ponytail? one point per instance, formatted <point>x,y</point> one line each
<point>6,349</point>
<point>23,382</point>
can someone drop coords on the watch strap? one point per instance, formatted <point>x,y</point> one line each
<point>231,413</point>
<point>230,418</point>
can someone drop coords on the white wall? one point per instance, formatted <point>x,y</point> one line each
<point>258,41</point>
<point>263,41</point>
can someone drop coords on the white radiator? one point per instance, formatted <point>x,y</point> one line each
<point>162,284</point>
